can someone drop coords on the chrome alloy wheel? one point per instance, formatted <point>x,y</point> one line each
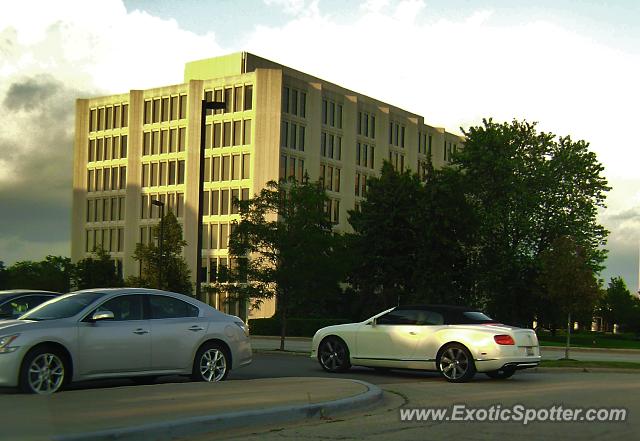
<point>454,363</point>
<point>46,373</point>
<point>333,355</point>
<point>213,365</point>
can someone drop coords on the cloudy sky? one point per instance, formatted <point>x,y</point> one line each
<point>571,65</point>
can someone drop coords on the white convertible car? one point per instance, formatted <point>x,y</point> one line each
<point>456,341</point>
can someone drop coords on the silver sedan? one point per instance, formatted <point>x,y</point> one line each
<point>111,333</point>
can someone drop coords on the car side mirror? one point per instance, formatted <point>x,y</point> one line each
<point>102,315</point>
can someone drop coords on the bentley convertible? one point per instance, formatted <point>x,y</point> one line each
<point>455,341</point>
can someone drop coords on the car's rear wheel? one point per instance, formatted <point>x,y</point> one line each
<point>456,364</point>
<point>43,371</point>
<point>211,363</point>
<point>501,374</point>
<point>333,355</point>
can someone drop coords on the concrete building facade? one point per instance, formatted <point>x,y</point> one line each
<point>143,145</point>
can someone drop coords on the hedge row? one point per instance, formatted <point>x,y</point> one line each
<point>296,327</point>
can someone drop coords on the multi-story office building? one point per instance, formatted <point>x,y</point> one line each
<point>143,145</point>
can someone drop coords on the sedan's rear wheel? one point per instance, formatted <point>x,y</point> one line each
<point>501,374</point>
<point>211,363</point>
<point>333,355</point>
<point>43,371</point>
<point>456,363</point>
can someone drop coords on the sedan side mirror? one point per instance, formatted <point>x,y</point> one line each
<point>102,315</point>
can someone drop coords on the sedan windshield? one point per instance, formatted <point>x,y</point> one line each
<point>62,307</point>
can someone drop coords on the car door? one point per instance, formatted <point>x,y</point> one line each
<point>115,346</point>
<point>393,336</point>
<point>177,331</point>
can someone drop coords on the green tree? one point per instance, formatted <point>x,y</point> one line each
<point>52,274</point>
<point>96,272</point>
<point>3,276</point>
<point>167,271</point>
<point>412,241</point>
<point>617,306</point>
<point>528,189</point>
<point>567,281</point>
<point>284,246</point>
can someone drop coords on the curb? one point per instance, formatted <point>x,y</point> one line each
<point>573,370</point>
<point>170,430</point>
<point>583,349</point>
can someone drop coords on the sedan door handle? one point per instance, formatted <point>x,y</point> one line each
<point>196,328</point>
<point>413,333</point>
<point>140,331</point>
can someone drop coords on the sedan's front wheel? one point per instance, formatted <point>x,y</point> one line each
<point>211,363</point>
<point>333,355</point>
<point>43,371</point>
<point>456,363</point>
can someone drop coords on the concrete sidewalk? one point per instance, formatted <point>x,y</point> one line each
<point>167,411</point>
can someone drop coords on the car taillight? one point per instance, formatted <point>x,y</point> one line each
<point>504,340</point>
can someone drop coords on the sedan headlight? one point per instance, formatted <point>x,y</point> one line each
<point>244,327</point>
<point>6,341</point>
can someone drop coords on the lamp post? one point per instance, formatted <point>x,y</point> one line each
<point>206,105</point>
<point>161,239</point>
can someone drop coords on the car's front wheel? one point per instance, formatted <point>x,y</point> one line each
<point>43,371</point>
<point>456,364</point>
<point>501,374</point>
<point>333,355</point>
<point>211,363</point>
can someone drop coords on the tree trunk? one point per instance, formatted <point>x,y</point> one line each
<point>283,327</point>
<point>566,349</point>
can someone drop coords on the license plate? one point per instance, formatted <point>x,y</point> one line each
<point>529,351</point>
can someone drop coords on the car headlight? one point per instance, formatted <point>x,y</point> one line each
<point>6,341</point>
<point>244,327</point>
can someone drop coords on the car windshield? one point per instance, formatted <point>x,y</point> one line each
<point>62,307</point>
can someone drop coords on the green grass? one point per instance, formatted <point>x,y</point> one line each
<point>590,364</point>
<point>592,340</point>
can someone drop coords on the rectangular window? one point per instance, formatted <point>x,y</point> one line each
<point>116,147</point>
<point>147,112</point>
<point>357,187</point>
<point>339,116</point>
<point>207,170</point>
<point>172,172</point>
<point>124,139</point>
<point>92,120</point>
<point>120,239</point>
<point>180,172</point>
<point>217,132</point>
<point>336,180</point>
<point>155,142</point>
<point>237,133</point>
<point>99,179</point>
<point>180,205</point>
<point>99,149</point>
<point>100,118</point>
<point>162,170</point>
<point>215,205</point>
<point>300,175</point>
<point>115,178</point>
<point>248,97</point>
<point>156,110</point>
<point>224,236</point>
<point>90,205</point>
<point>246,137</point>
<point>90,186</point>
<point>215,165</point>
<point>206,203</point>
<point>182,135</point>
<point>294,101</point>
<point>224,202</point>
<point>92,148</point>
<point>226,134</point>
<point>237,96</point>
<point>146,143</point>
<point>283,166</point>
<point>107,179</point>
<point>235,167</point>
<point>284,134</point>
<point>121,208</point>
<point>245,166</point>
<point>303,104</point>
<point>373,127</point>
<point>301,135</point>
<point>225,168</point>
<point>207,136</point>
<point>324,111</point>
<point>165,109</point>
<point>285,100</point>
<point>107,148</point>
<point>292,168</point>
<point>235,196</point>
<point>402,137</point>
<point>164,141</point>
<point>293,137</point>
<point>174,108</point>
<point>125,115</point>
<point>228,99</point>
<point>153,180</point>
<point>183,106</point>
<point>108,117</point>
<point>144,206</point>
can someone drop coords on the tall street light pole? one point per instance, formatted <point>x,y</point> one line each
<point>161,240</point>
<point>206,105</point>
